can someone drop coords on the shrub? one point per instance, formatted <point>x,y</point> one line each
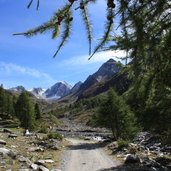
<point>43,129</point>
<point>54,136</point>
<point>122,143</point>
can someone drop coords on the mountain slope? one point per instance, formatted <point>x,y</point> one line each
<point>120,82</point>
<point>105,72</point>
<point>76,87</point>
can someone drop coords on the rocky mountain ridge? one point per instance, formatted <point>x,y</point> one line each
<point>58,90</point>
<point>104,73</point>
<point>62,88</point>
<point>19,89</point>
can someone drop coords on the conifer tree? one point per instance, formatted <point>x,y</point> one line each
<point>115,114</point>
<point>10,105</point>
<point>3,101</point>
<point>37,111</point>
<point>25,111</point>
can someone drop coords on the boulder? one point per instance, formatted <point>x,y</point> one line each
<point>4,151</point>
<point>2,142</point>
<point>132,159</point>
<point>8,152</point>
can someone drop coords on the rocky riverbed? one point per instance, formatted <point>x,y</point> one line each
<point>70,128</point>
<point>145,153</point>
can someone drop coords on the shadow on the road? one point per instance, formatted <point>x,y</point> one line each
<point>86,146</point>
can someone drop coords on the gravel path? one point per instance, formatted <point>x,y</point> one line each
<point>86,156</point>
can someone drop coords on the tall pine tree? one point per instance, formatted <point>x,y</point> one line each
<point>115,114</point>
<point>25,111</point>
<point>37,111</point>
<point>3,102</point>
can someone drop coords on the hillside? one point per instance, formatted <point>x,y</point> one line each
<point>104,73</point>
<point>120,82</point>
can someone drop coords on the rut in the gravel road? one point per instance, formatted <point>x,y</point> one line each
<point>86,156</point>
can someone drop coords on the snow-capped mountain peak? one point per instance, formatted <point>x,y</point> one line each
<point>60,89</point>
<point>38,92</point>
<point>18,89</point>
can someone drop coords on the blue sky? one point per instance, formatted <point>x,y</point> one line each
<point>29,62</point>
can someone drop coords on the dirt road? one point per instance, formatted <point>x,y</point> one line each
<point>86,156</point>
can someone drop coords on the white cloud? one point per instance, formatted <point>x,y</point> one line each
<point>10,68</point>
<point>100,57</point>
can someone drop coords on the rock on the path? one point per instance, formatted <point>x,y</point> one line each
<point>2,142</point>
<point>42,168</point>
<point>24,169</point>
<point>132,159</point>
